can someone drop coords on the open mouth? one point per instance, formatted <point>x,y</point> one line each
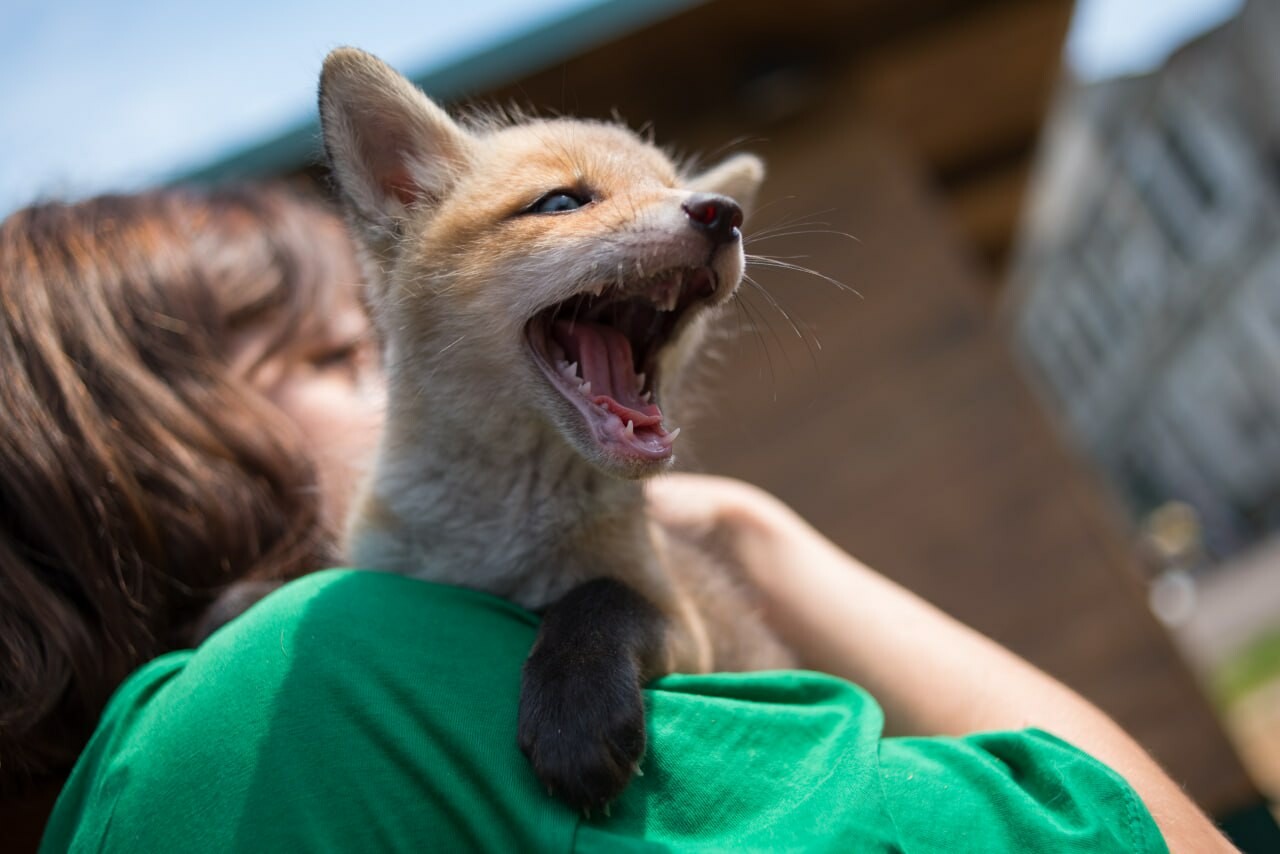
<point>600,349</point>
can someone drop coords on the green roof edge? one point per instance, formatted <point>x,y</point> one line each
<point>484,69</point>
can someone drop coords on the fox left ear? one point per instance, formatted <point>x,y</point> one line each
<point>390,146</point>
<point>739,178</point>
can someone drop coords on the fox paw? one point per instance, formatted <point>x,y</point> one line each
<point>582,728</point>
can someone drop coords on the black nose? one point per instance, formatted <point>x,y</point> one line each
<point>717,216</point>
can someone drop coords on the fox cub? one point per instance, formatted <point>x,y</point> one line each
<point>538,286</point>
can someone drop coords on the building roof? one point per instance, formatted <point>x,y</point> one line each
<point>503,60</point>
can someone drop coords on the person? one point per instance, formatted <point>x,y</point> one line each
<point>163,355</point>
<point>355,710</point>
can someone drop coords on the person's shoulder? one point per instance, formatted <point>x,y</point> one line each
<point>348,710</point>
<point>347,596</point>
<point>332,624</point>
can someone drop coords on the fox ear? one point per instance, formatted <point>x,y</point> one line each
<point>389,145</point>
<point>739,178</point>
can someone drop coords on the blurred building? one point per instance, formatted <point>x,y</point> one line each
<point>1147,286</point>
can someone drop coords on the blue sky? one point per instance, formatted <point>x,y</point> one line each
<point>1110,38</point>
<point>114,95</point>
<point>97,95</point>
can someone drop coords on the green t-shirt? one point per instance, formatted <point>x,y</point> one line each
<point>359,711</point>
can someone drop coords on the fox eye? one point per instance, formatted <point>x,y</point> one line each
<point>558,201</point>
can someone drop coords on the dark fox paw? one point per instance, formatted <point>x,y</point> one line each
<point>582,727</point>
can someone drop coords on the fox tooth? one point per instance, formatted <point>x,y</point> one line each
<point>647,397</point>
<point>631,430</point>
<point>585,389</point>
<point>671,437</point>
<point>597,290</point>
<point>640,380</point>
<point>570,370</point>
<point>673,296</point>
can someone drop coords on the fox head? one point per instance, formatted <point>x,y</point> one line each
<point>532,274</point>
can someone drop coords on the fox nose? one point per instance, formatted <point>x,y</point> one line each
<point>716,216</point>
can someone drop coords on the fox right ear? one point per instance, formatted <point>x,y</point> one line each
<point>389,145</point>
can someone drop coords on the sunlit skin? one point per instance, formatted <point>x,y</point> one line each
<point>329,383</point>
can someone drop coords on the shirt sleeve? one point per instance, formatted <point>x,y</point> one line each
<point>1025,791</point>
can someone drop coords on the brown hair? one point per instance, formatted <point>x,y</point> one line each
<point>139,474</point>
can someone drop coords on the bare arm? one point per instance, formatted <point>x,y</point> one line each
<point>931,674</point>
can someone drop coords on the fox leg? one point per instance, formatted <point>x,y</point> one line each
<point>582,717</point>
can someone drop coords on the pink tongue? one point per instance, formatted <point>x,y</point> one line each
<point>604,359</point>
